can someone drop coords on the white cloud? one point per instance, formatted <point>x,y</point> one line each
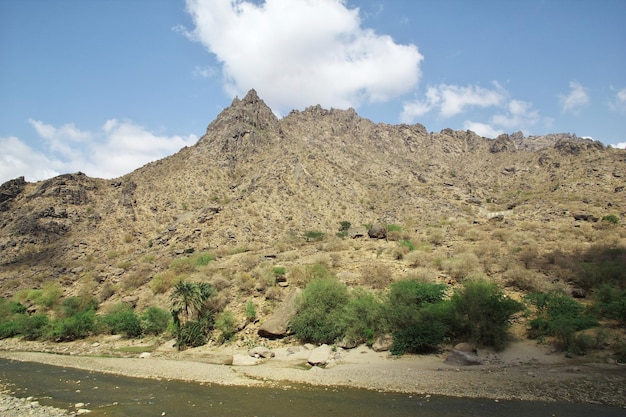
<point>60,139</point>
<point>482,129</point>
<point>18,159</point>
<point>575,99</point>
<point>114,150</point>
<point>620,145</point>
<point>300,52</point>
<point>619,104</point>
<point>520,115</point>
<point>450,100</point>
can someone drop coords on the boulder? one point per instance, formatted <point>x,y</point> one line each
<point>461,358</point>
<point>245,360</point>
<point>320,356</point>
<point>276,326</point>
<point>383,343</point>
<point>261,352</point>
<point>377,231</point>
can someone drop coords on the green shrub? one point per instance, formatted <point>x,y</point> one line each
<point>407,316</point>
<point>483,313</point>
<point>74,305</point>
<point>154,320</point>
<point>560,316</point>
<point>226,323</point>
<point>394,228</point>
<point>344,226</point>
<point>34,327</point>
<point>191,334</point>
<point>47,296</point>
<point>122,320</point>
<point>78,326</point>
<point>408,244</point>
<point>203,259</point>
<point>422,336</point>
<point>610,302</point>
<point>279,271</point>
<point>250,311</point>
<point>610,219</point>
<point>313,235</point>
<point>320,311</point>
<point>363,317</point>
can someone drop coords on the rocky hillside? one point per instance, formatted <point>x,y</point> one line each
<point>257,191</point>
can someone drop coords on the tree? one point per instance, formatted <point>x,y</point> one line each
<point>186,298</point>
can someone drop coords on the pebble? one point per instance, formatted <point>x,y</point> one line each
<point>19,407</point>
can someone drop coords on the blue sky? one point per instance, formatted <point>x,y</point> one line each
<point>104,87</point>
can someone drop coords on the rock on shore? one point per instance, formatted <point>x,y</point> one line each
<point>20,407</point>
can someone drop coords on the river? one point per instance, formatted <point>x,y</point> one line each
<point>111,395</point>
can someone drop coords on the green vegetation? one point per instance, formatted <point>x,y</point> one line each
<point>192,300</point>
<point>560,316</point>
<point>482,313</point>
<point>610,219</point>
<point>320,311</point>
<point>313,235</point>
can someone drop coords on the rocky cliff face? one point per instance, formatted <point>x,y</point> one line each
<point>253,180</point>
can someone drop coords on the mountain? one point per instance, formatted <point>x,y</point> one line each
<point>257,190</point>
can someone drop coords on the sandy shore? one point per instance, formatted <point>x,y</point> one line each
<point>523,371</point>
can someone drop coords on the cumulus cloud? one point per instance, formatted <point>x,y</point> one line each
<point>575,99</point>
<point>18,159</point>
<point>482,129</point>
<point>619,103</point>
<point>300,52</point>
<point>620,145</point>
<point>451,100</point>
<point>115,149</point>
<point>519,114</point>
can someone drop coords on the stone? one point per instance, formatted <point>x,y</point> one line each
<point>466,347</point>
<point>460,358</point>
<point>261,351</point>
<point>377,231</point>
<point>145,355</point>
<point>383,343</point>
<point>276,326</point>
<point>320,355</point>
<point>245,360</point>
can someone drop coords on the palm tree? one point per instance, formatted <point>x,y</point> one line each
<point>187,297</point>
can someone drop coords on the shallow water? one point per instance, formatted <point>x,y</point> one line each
<point>111,395</point>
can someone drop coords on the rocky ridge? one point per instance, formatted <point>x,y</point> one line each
<point>254,184</point>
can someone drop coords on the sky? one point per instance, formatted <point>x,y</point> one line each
<point>104,87</point>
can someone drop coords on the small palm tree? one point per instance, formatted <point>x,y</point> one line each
<point>187,298</point>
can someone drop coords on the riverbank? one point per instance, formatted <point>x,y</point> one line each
<point>524,371</point>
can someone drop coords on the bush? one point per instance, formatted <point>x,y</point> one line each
<point>610,302</point>
<point>313,235</point>
<point>154,320</point>
<point>122,320</point>
<point>610,219</point>
<point>47,296</point>
<point>320,311</point>
<point>77,326</point>
<point>482,313</point>
<point>408,319</point>
<point>74,305</point>
<point>34,327</point>
<point>250,311</point>
<point>560,316</point>
<point>363,317</point>
<point>227,325</point>
<point>422,337</point>
<point>191,334</point>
